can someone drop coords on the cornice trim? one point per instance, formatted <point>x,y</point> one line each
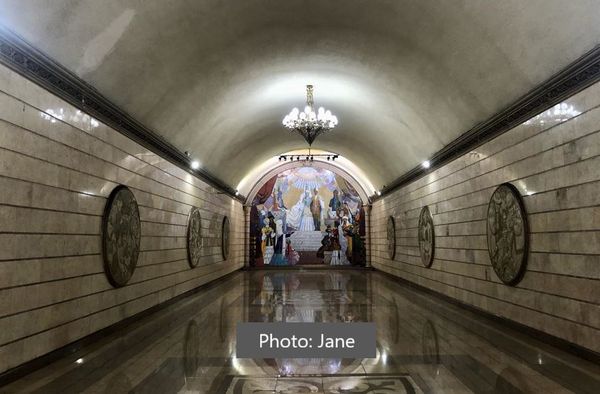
<point>21,57</point>
<point>577,76</point>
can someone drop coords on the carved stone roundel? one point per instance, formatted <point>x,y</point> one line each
<point>194,237</point>
<point>121,232</point>
<point>507,234</point>
<point>426,236</point>
<point>391,237</point>
<point>225,238</point>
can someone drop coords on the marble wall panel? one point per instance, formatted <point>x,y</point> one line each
<point>555,167</point>
<point>57,167</point>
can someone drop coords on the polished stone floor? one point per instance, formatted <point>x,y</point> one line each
<point>424,345</point>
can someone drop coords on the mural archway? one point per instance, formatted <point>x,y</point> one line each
<point>307,213</point>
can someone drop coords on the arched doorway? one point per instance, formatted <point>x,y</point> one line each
<point>306,213</point>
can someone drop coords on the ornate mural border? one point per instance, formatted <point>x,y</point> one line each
<point>577,76</point>
<point>523,264</point>
<point>21,57</point>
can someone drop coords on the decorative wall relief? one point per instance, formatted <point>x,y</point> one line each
<point>507,234</point>
<point>391,237</point>
<point>194,237</point>
<point>426,236</point>
<point>225,238</point>
<point>121,233</point>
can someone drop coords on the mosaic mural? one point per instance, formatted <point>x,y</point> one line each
<point>507,234</point>
<point>121,233</point>
<point>426,236</point>
<point>194,237</point>
<point>225,238</point>
<point>391,237</point>
<point>307,215</point>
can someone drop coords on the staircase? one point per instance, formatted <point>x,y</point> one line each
<point>304,241</point>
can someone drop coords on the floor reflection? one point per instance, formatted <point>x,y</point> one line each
<point>424,345</point>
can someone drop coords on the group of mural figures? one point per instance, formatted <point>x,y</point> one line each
<point>308,202</point>
<point>121,235</point>
<point>507,234</point>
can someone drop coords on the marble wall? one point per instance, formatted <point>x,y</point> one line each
<point>554,161</point>
<point>57,168</point>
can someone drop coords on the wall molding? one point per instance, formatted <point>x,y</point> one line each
<point>21,57</point>
<point>577,76</point>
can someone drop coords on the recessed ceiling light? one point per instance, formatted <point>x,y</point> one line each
<point>426,164</point>
<point>195,165</point>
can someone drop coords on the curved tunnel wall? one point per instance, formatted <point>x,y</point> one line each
<point>553,160</point>
<point>56,173</point>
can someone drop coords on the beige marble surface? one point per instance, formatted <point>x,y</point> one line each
<point>57,166</point>
<point>554,164</point>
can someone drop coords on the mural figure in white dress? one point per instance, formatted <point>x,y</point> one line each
<point>300,216</point>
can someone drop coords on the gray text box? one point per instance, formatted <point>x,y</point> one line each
<point>305,340</point>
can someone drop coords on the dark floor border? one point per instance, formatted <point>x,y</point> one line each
<point>23,58</point>
<point>548,339</point>
<point>31,366</point>
<point>574,78</point>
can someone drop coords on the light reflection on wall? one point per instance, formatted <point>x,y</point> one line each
<point>53,116</point>
<point>558,113</point>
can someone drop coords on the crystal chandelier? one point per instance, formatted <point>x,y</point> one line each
<point>308,123</point>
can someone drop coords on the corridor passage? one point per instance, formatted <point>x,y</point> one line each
<point>424,345</point>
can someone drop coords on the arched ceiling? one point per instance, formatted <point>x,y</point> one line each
<point>216,77</point>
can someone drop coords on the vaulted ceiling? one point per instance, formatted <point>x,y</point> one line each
<point>216,77</point>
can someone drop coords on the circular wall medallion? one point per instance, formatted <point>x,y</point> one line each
<point>507,234</point>
<point>121,232</point>
<point>391,237</point>
<point>194,237</point>
<point>225,238</point>
<point>426,235</point>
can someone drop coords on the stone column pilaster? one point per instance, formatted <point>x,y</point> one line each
<point>247,209</point>
<point>367,211</point>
